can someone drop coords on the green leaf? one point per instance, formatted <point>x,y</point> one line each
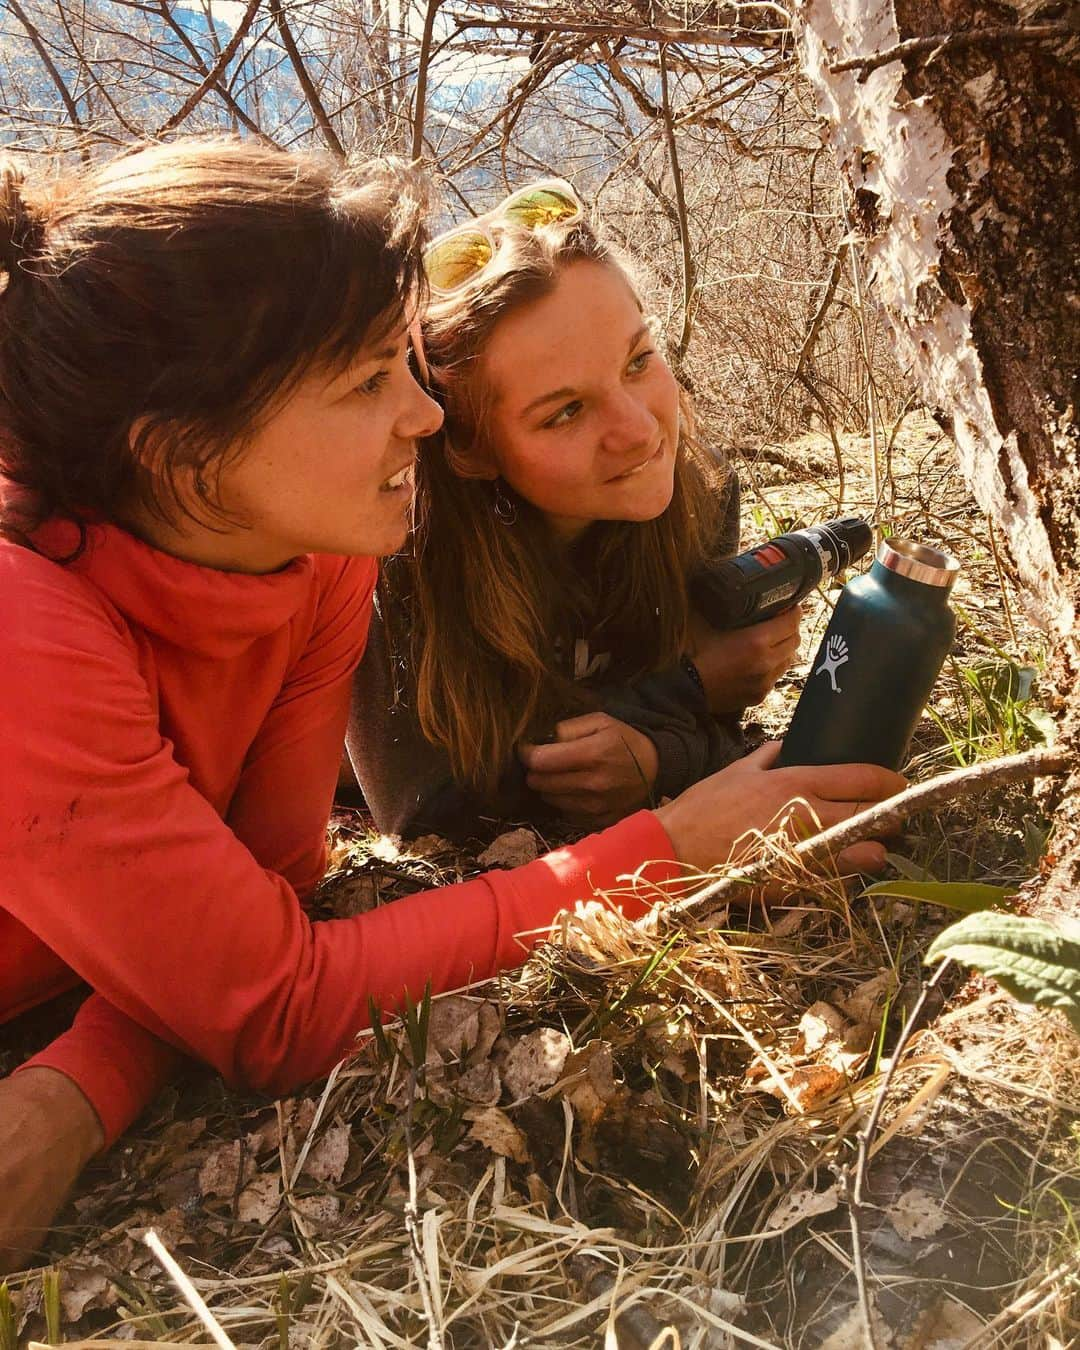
<point>908,868</point>
<point>970,897</point>
<point>1033,961</point>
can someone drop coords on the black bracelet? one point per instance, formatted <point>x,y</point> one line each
<point>694,674</point>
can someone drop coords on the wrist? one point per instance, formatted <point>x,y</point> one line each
<point>74,1124</point>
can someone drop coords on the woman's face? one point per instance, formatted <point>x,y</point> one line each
<point>585,417</point>
<point>329,471</point>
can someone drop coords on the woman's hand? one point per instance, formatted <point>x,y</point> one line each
<point>739,666</point>
<point>713,822</point>
<point>597,769</point>
<point>48,1133</point>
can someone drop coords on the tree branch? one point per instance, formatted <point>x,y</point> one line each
<point>1006,36</point>
<point>215,73</point>
<point>54,74</point>
<point>883,818</point>
<point>685,37</point>
<point>423,63</point>
<point>689,268</point>
<point>307,84</point>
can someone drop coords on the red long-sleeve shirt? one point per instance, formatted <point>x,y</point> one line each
<point>169,742</point>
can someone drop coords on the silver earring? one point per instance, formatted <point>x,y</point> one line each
<point>504,506</point>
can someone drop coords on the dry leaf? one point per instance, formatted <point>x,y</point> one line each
<point>851,1334</point>
<point>453,1028</point>
<point>495,1130</point>
<point>480,1084</point>
<point>320,1211</point>
<point>355,895</point>
<point>489,1029</point>
<point>802,1204</point>
<point>535,1062</point>
<point>917,1214</point>
<point>790,921</point>
<point>512,849</point>
<point>590,1095</point>
<point>820,1024</point>
<point>951,1326</point>
<point>221,1174</point>
<point>327,1157</point>
<point>808,1087</point>
<point>429,846</point>
<point>867,1000</point>
<point>82,1288</point>
<point>260,1199</point>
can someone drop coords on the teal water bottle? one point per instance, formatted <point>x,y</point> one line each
<point>885,644</point>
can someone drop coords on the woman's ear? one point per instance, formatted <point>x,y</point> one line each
<point>472,461</point>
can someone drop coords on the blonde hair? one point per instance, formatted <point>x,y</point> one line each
<point>490,602</point>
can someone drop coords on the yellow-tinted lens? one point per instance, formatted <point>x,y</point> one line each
<point>540,206</point>
<point>454,261</point>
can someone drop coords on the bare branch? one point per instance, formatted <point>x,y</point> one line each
<point>884,818</point>
<point>216,71</point>
<point>420,99</point>
<point>54,74</point>
<point>305,81</point>
<point>689,267</point>
<point>1006,36</point>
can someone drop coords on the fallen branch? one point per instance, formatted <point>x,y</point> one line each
<point>884,818</point>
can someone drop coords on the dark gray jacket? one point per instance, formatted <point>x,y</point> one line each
<point>407,781</point>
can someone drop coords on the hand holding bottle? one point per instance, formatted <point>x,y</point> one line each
<point>720,819</point>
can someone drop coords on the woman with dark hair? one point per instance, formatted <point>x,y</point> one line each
<point>534,653</point>
<point>207,429</point>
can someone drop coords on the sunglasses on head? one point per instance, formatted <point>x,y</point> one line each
<point>460,255</point>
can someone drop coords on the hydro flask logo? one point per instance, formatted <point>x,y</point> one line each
<point>836,653</point>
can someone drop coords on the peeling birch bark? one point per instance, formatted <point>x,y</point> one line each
<point>963,172</point>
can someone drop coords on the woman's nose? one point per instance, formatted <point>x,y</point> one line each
<point>424,416</point>
<point>629,424</point>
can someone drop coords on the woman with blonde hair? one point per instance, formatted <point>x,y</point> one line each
<point>535,652</point>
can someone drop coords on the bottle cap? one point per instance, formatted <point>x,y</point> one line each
<point>919,562</point>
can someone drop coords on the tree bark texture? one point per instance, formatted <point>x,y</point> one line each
<point>962,164</point>
<point>961,158</point>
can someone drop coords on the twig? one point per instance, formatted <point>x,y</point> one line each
<point>216,71</point>
<point>1005,36</point>
<point>883,818</point>
<point>190,1293</point>
<point>685,37</point>
<point>689,268</point>
<point>864,1139</point>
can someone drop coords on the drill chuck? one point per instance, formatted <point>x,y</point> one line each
<point>761,582</point>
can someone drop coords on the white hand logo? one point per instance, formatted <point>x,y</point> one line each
<point>836,653</point>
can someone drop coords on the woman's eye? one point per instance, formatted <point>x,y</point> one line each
<point>374,384</point>
<point>638,364</point>
<point>565,414</point>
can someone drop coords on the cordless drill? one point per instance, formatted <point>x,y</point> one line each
<point>761,582</point>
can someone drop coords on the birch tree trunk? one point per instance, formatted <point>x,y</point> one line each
<point>956,124</point>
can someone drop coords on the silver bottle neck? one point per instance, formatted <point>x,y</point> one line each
<point>919,562</point>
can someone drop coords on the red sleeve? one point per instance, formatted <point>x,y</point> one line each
<point>119,1067</point>
<point>283,801</point>
<point>130,876</point>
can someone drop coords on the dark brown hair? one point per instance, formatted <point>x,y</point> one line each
<point>489,601</point>
<point>155,307</point>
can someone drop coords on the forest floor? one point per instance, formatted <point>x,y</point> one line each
<point>645,1141</point>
